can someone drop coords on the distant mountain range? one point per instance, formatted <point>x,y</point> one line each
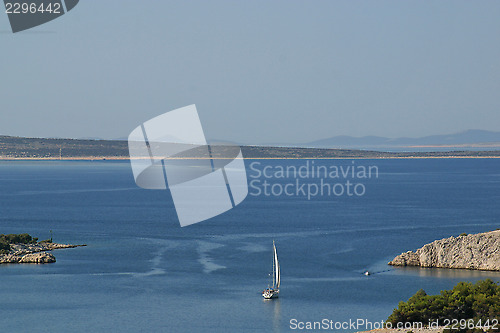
<point>476,139</point>
<point>466,139</point>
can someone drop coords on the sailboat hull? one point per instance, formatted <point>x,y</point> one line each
<point>270,293</point>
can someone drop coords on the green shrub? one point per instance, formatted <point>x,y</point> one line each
<point>6,240</point>
<point>18,238</point>
<point>479,301</point>
<point>463,234</point>
<point>4,246</point>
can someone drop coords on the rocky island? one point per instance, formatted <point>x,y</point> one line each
<point>474,251</point>
<point>23,248</point>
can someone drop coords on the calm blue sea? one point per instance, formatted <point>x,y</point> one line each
<point>142,272</point>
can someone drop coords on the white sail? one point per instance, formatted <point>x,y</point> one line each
<point>274,291</point>
<point>276,268</point>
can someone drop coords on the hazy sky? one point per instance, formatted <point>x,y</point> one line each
<point>258,71</point>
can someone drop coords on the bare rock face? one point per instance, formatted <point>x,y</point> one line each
<point>476,251</point>
<point>406,259</point>
<point>9,258</point>
<point>38,258</point>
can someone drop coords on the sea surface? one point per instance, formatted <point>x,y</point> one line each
<point>142,272</point>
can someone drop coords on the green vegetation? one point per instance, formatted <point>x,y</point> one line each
<point>18,238</point>
<point>463,234</point>
<point>6,240</point>
<point>4,246</point>
<point>478,303</point>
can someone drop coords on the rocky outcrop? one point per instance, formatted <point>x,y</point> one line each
<point>32,253</point>
<point>475,251</point>
<point>38,258</point>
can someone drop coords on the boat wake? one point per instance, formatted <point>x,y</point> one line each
<point>204,259</point>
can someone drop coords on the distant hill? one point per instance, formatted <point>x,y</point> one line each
<point>470,138</point>
<point>39,148</point>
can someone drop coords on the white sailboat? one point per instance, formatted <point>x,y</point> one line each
<point>273,292</point>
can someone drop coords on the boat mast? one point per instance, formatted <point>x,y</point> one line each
<point>278,274</point>
<point>274,268</point>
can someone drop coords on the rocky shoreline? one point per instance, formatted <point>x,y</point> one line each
<point>33,253</point>
<point>474,251</point>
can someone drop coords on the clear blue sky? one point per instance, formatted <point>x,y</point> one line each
<point>258,71</point>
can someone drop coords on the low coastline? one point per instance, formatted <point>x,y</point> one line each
<point>18,148</point>
<point>126,158</point>
<point>36,253</point>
